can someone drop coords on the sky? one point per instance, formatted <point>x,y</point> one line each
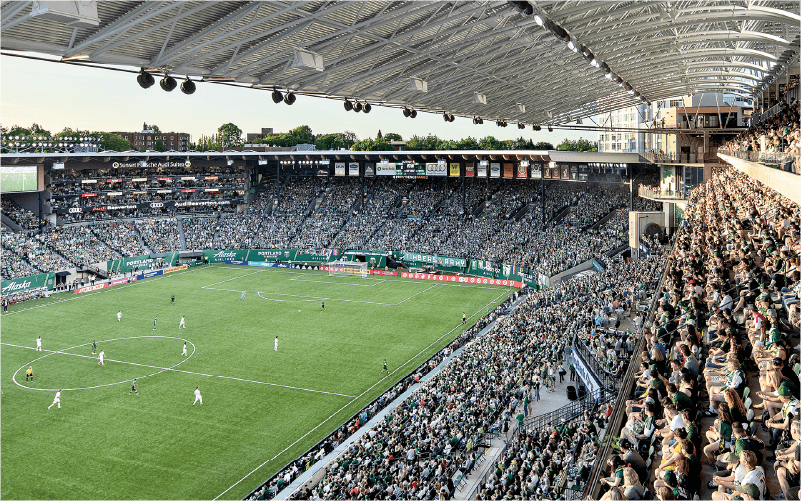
<point>59,95</point>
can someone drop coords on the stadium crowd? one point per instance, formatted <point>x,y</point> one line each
<point>416,449</point>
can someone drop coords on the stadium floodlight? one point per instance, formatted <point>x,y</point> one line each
<point>348,105</point>
<point>350,268</point>
<point>145,79</point>
<point>538,19</point>
<point>357,106</point>
<point>366,108</point>
<point>277,96</point>
<point>188,86</point>
<point>550,129</point>
<point>406,112</point>
<point>168,83</point>
<point>521,126</point>
<point>572,46</point>
<point>479,98</point>
<point>413,114</point>
<point>289,98</point>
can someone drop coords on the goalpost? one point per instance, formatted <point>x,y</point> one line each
<point>336,268</point>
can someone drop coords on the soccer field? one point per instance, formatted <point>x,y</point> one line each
<point>261,407</point>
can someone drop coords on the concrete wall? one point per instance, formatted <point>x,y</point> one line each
<point>786,183</point>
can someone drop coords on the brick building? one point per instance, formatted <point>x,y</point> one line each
<point>147,139</point>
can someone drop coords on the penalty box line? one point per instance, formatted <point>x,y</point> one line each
<point>185,372</point>
<point>354,399</point>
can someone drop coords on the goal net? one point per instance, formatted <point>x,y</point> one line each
<point>348,268</point>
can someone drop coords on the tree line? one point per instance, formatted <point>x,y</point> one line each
<point>230,135</point>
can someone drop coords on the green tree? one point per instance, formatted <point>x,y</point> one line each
<point>335,141</point>
<point>16,130</point>
<point>577,145</point>
<point>369,144</point>
<point>154,128</point>
<point>490,143</point>
<point>229,135</point>
<point>159,145</point>
<point>419,143</point>
<point>468,143</point>
<point>37,130</point>
<point>392,136</point>
<point>543,145</point>
<point>113,142</point>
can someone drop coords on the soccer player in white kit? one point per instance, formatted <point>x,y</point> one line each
<point>276,343</point>
<point>198,397</point>
<point>101,356</point>
<point>39,343</point>
<point>56,400</point>
<point>182,325</point>
<point>119,316</point>
<point>184,352</point>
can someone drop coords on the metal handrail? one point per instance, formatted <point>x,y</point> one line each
<point>593,485</point>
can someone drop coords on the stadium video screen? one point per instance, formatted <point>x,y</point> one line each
<point>18,178</point>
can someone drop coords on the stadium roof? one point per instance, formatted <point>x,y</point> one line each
<point>531,62</point>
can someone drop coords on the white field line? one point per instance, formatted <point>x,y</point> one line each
<point>355,398</point>
<point>51,352</point>
<point>336,283</point>
<point>162,369</point>
<point>315,298</point>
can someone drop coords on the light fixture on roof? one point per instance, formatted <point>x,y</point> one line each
<point>74,58</point>
<point>277,96</point>
<point>521,126</point>
<point>366,107</point>
<point>357,106</point>
<point>413,114</point>
<point>188,86</point>
<point>417,85</point>
<point>538,19</point>
<point>168,83</point>
<point>289,98</point>
<point>306,59</point>
<point>145,79</point>
<point>348,105</point>
<point>479,98</point>
<point>572,46</point>
<point>521,107</point>
<point>406,112</point>
<point>550,129</point>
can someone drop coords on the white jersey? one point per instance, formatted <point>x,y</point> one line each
<point>38,342</point>
<point>102,355</point>
<point>182,321</point>
<point>119,315</point>
<point>276,344</point>
<point>197,394</point>
<point>57,397</point>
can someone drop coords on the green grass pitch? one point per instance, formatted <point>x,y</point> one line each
<point>261,408</point>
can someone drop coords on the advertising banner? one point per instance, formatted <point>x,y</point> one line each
<point>339,168</point>
<point>96,287</point>
<point>586,375</point>
<point>482,169</point>
<point>565,172</point>
<point>453,169</point>
<point>436,169</point>
<point>389,273</point>
<point>574,172</point>
<point>462,280</point>
<point>148,274</point>
<point>33,282</point>
<point>175,268</point>
<point>536,171</point>
<point>495,169</point>
<point>385,169</point>
<point>119,281</point>
<point>416,259</point>
<point>271,255</point>
<point>369,169</point>
<point>219,256</point>
<point>410,169</point>
<point>522,171</point>
<point>508,170</point>
<point>546,172</point>
<point>353,169</point>
<point>148,205</point>
<point>125,265</point>
<point>469,169</point>
<point>634,230</point>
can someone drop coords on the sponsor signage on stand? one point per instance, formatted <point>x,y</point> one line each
<point>495,169</point>
<point>454,169</point>
<point>522,169</point>
<point>353,169</point>
<point>339,168</point>
<point>462,279</point>
<point>508,170</point>
<point>469,169</point>
<point>482,168</point>
<point>81,290</point>
<point>536,171</point>
<point>436,169</point>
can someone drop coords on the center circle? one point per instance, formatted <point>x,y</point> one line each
<point>64,352</point>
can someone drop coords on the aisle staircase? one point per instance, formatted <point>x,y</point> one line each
<point>181,237</point>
